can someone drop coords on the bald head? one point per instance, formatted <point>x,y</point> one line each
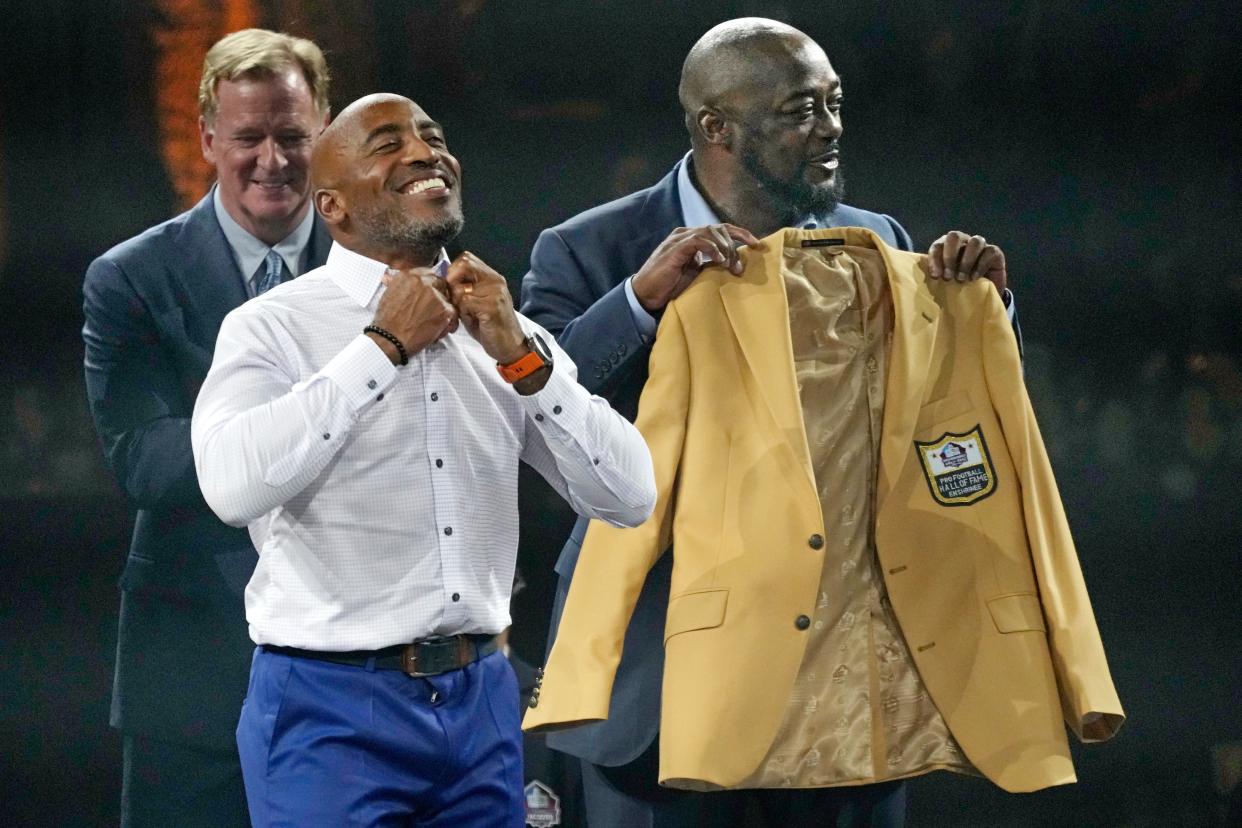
<point>340,140</point>
<point>734,61</point>
<point>762,106</point>
<point>385,182</point>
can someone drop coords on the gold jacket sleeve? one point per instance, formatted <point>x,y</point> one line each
<point>1089,701</point>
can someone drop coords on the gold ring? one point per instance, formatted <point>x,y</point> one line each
<point>468,288</point>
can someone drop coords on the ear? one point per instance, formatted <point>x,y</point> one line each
<point>330,206</point>
<point>206,138</point>
<point>714,126</point>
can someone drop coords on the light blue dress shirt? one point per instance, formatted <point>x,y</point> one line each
<point>250,253</point>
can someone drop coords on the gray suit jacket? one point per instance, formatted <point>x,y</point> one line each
<point>153,307</point>
<point>575,289</point>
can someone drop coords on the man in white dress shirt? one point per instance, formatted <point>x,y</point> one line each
<point>366,422</point>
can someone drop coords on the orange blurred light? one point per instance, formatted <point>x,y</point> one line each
<point>189,29</point>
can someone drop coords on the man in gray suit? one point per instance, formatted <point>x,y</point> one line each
<point>763,109</point>
<point>153,307</point>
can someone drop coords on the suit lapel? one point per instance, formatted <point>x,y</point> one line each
<point>207,279</point>
<point>759,313</point>
<point>661,210</point>
<point>209,285</point>
<point>915,321</point>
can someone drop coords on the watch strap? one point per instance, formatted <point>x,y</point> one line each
<point>525,366</point>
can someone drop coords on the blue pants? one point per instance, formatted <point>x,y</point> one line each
<point>326,744</point>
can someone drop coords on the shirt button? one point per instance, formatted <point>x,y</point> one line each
<point>621,348</point>
<point>816,541</point>
<point>872,365</point>
<point>614,358</point>
<point>456,596</point>
<point>448,530</point>
<point>539,418</point>
<point>556,409</point>
<point>380,397</point>
<point>371,384</point>
<point>434,396</point>
<point>439,463</point>
<point>327,436</point>
<point>802,622</point>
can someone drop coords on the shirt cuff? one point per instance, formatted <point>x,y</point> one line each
<point>362,371</point>
<point>1010,306</point>
<point>644,321</point>
<point>560,407</point>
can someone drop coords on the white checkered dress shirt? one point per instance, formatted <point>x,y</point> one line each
<point>383,500</point>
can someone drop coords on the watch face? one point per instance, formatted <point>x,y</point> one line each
<point>540,347</point>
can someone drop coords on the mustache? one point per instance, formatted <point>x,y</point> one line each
<point>420,170</point>
<point>833,148</point>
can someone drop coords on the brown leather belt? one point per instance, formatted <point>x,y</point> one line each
<point>428,657</point>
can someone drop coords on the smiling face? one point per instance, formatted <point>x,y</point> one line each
<point>387,183</point>
<point>260,143</point>
<point>788,129</point>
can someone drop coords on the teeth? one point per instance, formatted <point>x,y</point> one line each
<point>830,164</point>
<point>420,186</point>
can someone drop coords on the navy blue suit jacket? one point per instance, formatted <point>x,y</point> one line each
<point>575,289</point>
<point>153,307</point>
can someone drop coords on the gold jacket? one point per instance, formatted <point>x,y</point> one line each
<point>970,531</point>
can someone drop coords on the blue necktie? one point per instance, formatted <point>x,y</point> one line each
<point>271,275</point>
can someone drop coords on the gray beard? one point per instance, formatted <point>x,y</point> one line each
<point>394,230</point>
<point>794,199</point>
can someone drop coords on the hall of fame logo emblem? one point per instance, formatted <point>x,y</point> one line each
<point>958,467</point>
<point>543,806</point>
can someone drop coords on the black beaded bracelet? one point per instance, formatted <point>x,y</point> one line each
<point>391,337</point>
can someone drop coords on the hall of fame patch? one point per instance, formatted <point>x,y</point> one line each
<point>543,806</point>
<point>958,467</point>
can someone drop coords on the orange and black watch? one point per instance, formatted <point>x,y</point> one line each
<point>538,357</point>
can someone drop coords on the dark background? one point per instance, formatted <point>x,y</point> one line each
<point>1096,142</point>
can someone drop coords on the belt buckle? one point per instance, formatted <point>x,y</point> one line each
<point>409,661</point>
<point>463,649</point>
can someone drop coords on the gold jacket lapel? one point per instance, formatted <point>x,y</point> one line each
<point>915,321</point>
<point>759,314</point>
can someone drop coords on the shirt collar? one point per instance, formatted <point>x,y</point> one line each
<point>360,276</point>
<point>249,252</point>
<point>696,212</point>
